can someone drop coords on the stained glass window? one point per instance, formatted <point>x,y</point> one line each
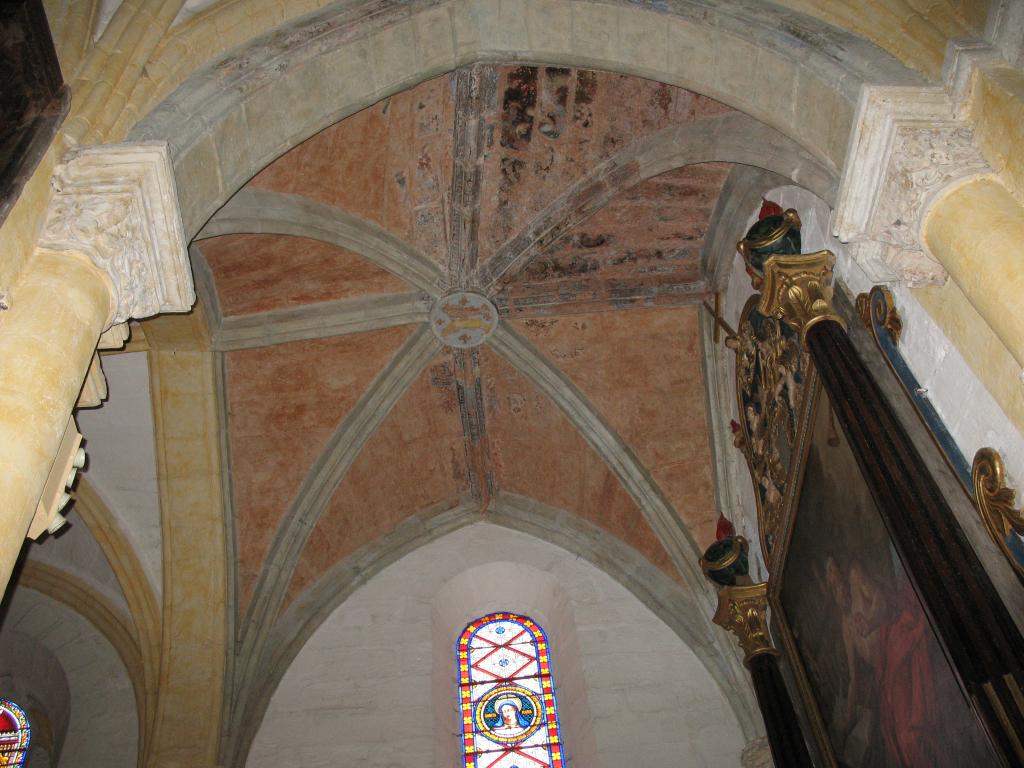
<point>506,695</point>
<point>14,734</point>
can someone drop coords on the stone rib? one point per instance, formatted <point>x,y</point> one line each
<point>317,321</point>
<point>612,449</point>
<point>557,302</point>
<point>475,94</point>
<point>276,213</point>
<point>473,414</point>
<point>732,138</point>
<point>322,480</point>
<point>664,597</point>
<point>206,287</point>
<point>313,607</point>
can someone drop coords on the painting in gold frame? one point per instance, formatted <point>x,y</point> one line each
<point>877,688</point>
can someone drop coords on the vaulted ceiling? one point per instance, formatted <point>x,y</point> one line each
<point>346,415</point>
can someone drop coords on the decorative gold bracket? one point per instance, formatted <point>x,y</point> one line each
<point>888,317</point>
<point>995,501</point>
<point>797,289</point>
<point>743,610</point>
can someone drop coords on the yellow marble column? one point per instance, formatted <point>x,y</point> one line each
<point>195,572</point>
<point>976,232</point>
<point>111,248</point>
<point>47,339</point>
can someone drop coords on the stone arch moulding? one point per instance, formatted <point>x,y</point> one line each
<point>92,642</point>
<point>666,599</point>
<point>241,111</point>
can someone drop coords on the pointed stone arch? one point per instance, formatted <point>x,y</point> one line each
<point>237,114</point>
<point>668,600</point>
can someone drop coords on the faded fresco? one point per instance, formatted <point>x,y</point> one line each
<point>885,692</point>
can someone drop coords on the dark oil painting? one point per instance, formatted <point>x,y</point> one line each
<point>877,676</point>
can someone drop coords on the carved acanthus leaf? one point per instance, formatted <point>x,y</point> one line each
<point>925,158</point>
<point>117,205</point>
<point>908,146</point>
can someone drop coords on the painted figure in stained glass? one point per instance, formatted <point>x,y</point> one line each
<point>15,734</point>
<point>508,714</point>
<point>507,695</point>
<point>513,724</point>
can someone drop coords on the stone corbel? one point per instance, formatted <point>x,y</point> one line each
<point>94,390</point>
<point>117,206</point>
<point>908,146</point>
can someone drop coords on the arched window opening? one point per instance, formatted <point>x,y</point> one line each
<point>507,695</point>
<point>15,734</point>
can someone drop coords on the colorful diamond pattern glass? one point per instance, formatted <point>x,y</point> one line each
<point>15,734</point>
<point>506,694</point>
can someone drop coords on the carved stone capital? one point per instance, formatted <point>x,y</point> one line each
<point>909,145</point>
<point>743,610</point>
<point>117,205</point>
<point>797,289</point>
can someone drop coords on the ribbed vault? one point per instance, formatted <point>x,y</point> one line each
<point>579,203</point>
<point>587,206</point>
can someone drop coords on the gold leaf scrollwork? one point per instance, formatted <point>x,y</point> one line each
<point>880,303</point>
<point>863,306</point>
<point>995,502</point>
<point>743,610</point>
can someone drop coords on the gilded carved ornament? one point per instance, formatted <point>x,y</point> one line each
<point>771,368</point>
<point>797,289</point>
<point>771,362</point>
<point>995,502</point>
<point>743,610</point>
<point>884,312</point>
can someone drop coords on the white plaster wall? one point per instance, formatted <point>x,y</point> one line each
<point>103,725</point>
<point>120,444</point>
<point>375,685</point>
